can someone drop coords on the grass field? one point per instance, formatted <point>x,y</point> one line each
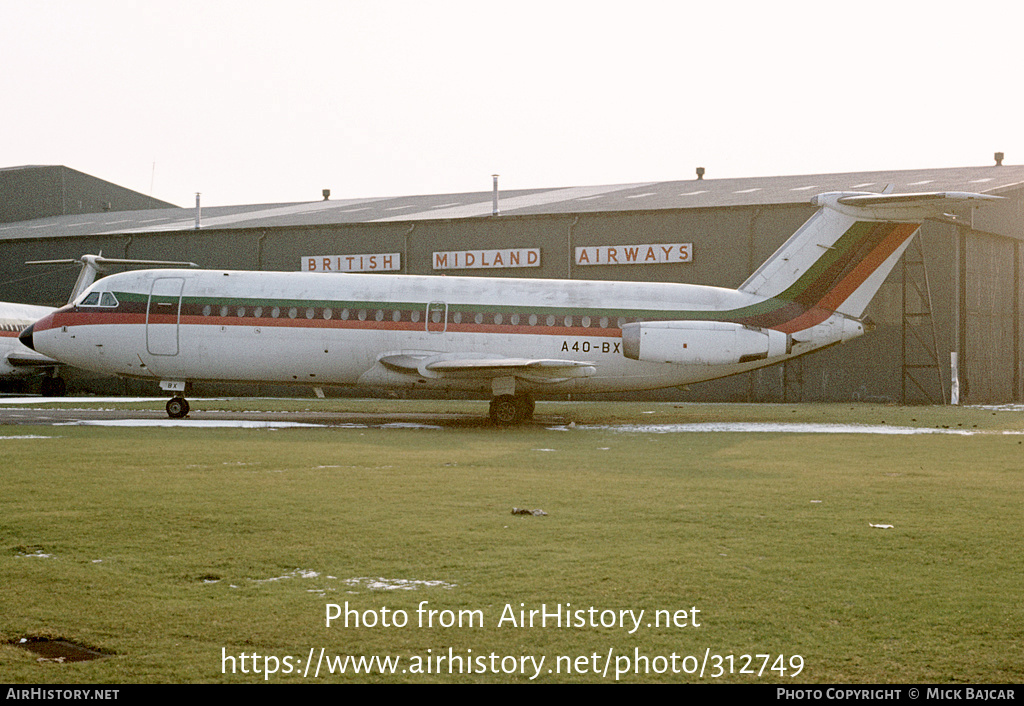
<point>177,551</point>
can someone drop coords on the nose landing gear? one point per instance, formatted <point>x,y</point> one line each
<point>177,407</point>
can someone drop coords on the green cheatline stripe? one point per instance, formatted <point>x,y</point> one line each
<point>840,253</point>
<point>650,314</point>
<point>820,278</point>
<point>831,269</point>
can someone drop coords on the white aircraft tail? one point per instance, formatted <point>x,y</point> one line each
<point>838,259</point>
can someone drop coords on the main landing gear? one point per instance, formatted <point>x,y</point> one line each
<point>177,407</point>
<point>54,386</point>
<point>509,410</point>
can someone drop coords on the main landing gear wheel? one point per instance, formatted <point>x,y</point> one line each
<point>177,407</point>
<point>509,410</point>
<point>54,387</point>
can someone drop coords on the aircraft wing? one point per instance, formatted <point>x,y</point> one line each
<point>28,359</point>
<point>434,365</point>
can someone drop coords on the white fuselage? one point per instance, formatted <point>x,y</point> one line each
<point>15,357</point>
<point>351,329</point>
<point>513,338</point>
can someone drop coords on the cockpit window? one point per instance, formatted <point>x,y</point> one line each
<point>106,299</point>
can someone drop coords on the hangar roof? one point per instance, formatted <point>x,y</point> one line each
<point>707,193</point>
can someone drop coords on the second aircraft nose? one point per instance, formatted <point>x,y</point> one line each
<point>26,337</point>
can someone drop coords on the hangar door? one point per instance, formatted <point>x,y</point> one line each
<point>163,314</point>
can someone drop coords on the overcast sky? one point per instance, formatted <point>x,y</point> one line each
<point>254,101</point>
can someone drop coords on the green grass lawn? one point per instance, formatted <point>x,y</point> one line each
<point>176,551</point>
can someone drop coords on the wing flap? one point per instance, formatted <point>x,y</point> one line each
<point>466,365</point>
<point>504,364</point>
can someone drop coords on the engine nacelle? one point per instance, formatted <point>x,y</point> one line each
<point>702,342</point>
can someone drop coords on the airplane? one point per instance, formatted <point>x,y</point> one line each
<point>514,339</point>
<point>17,360</point>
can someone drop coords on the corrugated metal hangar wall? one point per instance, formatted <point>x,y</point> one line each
<point>906,357</point>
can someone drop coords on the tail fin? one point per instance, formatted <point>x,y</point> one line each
<point>838,259</point>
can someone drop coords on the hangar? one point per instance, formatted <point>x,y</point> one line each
<point>957,290</point>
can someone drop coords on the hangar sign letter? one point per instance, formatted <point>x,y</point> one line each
<point>486,259</point>
<point>373,262</point>
<point>647,254</point>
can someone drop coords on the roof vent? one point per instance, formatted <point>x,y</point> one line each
<point>327,194</point>
<point>999,159</point>
<point>700,173</point>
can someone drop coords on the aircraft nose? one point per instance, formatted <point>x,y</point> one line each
<point>26,337</point>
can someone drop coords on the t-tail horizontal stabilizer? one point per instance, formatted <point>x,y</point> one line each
<point>910,208</point>
<point>92,265</point>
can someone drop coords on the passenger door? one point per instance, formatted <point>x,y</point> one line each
<point>163,316</point>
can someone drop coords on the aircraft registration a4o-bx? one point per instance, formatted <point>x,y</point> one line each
<point>514,339</point>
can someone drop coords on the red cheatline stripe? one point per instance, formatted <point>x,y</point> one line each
<point>111,318</point>
<point>867,267</point>
<point>817,301</point>
<point>843,289</point>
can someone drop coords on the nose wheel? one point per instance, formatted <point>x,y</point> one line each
<point>177,407</point>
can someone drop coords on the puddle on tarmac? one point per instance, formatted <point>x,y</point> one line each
<point>783,428</point>
<point>240,423</point>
